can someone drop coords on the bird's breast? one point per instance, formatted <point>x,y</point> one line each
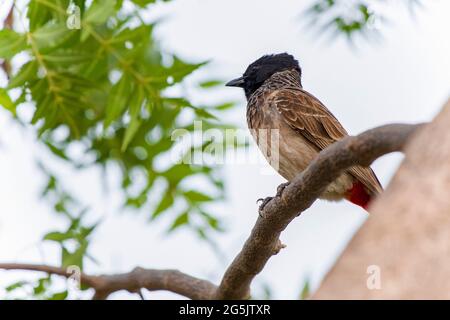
<point>286,150</point>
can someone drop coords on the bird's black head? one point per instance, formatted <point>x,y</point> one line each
<point>262,69</point>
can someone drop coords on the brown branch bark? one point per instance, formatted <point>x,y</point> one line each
<point>150,279</point>
<point>263,241</point>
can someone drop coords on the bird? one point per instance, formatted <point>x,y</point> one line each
<point>277,101</point>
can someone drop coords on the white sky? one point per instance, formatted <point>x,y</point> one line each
<point>403,78</point>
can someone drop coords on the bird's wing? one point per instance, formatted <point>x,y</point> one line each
<point>308,116</point>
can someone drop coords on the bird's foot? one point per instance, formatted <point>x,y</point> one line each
<point>281,188</point>
<point>264,202</point>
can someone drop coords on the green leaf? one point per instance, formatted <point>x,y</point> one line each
<point>196,196</point>
<point>41,286</point>
<point>86,232</point>
<point>166,202</point>
<point>37,14</point>
<point>6,101</point>
<point>177,172</point>
<point>51,35</point>
<point>58,236</point>
<point>202,113</point>
<point>11,43</point>
<point>304,294</point>
<point>75,258</point>
<point>59,296</point>
<point>143,3</point>
<point>67,57</point>
<point>119,4</point>
<point>180,69</point>
<point>130,132</point>
<point>26,73</point>
<point>213,222</point>
<point>15,286</point>
<point>118,98</point>
<point>57,151</point>
<point>136,102</point>
<point>180,220</point>
<point>44,101</point>
<point>201,233</point>
<point>210,83</point>
<point>225,106</point>
<point>133,35</point>
<point>100,11</point>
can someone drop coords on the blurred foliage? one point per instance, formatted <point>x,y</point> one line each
<point>102,88</point>
<point>351,17</point>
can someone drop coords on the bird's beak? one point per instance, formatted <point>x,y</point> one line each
<point>239,82</point>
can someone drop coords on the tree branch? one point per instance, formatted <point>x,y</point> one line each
<point>263,241</point>
<point>150,279</point>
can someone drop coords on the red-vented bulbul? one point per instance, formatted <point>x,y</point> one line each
<point>276,100</point>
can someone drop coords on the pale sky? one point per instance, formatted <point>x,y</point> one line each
<point>404,77</point>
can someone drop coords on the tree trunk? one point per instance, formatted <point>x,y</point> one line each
<point>403,250</point>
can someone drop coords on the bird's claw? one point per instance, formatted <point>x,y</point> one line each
<point>264,202</point>
<point>281,188</point>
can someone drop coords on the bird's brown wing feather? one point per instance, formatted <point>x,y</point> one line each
<point>308,116</point>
